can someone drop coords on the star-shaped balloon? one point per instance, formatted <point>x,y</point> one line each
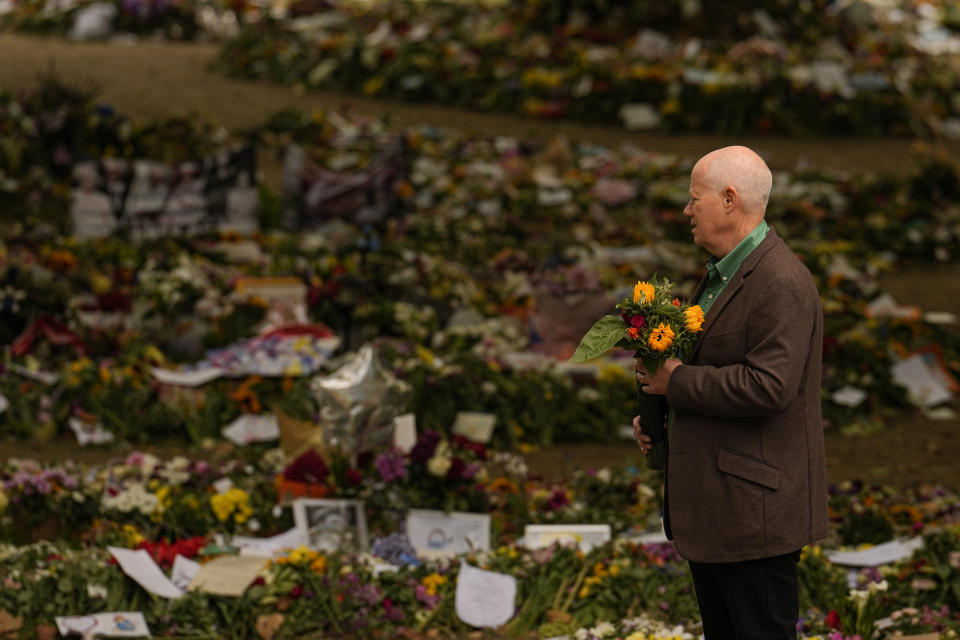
<point>358,403</point>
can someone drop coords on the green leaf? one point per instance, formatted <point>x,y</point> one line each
<point>602,336</point>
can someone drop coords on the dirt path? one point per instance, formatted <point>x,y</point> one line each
<point>149,79</point>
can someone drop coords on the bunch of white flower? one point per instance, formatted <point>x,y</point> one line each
<point>134,498</point>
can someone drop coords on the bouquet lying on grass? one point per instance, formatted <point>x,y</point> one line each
<point>656,326</point>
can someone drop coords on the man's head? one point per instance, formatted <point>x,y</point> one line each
<point>729,189</point>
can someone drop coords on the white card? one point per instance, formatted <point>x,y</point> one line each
<point>124,624</point>
<point>439,534</point>
<point>924,386</point>
<point>405,432</point>
<point>89,433</point>
<point>886,553</point>
<point>252,428</point>
<point>475,425</point>
<point>848,396</point>
<point>46,377</point>
<point>485,598</point>
<point>140,566</point>
<point>290,539</point>
<point>184,571</point>
<point>585,536</point>
<point>193,378</point>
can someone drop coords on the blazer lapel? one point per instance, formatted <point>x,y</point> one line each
<point>731,289</point>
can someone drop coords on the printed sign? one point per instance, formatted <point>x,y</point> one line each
<point>439,534</point>
<point>585,536</point>
<point>151,199</point>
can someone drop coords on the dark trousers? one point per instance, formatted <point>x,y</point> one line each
<point>749,600</point>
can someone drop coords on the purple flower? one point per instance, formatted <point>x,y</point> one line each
<point>391,465</point>
<point>429,601</point>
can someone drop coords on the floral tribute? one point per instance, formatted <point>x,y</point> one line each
<point>653,323</point>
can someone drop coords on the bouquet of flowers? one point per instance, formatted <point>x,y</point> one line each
<point>656,326</point>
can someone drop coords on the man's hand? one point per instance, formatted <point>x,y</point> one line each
<point>643,440</point>
<point>656,384</point>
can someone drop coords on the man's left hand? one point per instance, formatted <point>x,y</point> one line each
<point>656,384</point>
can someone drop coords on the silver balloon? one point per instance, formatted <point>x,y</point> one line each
<point>358,403</point>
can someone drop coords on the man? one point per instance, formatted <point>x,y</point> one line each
<point>745,485</point>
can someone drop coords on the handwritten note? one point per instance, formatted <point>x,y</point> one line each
<point>484,598</point>
<point>475,425</point>
<point>140,566</point>
<point>228,575</point>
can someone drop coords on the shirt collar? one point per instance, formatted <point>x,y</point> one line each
<point>725,267</point>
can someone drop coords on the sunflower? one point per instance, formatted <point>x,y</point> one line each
<point>643,292</point>
<point>661,338</point>
<point>694,316</point>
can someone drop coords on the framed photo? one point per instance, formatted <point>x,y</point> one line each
<point>332,524</point>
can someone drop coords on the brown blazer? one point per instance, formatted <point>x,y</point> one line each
<point>746,471</point>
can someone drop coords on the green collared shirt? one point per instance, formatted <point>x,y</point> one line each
<point>720,272</point>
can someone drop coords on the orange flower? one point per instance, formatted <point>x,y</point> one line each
<point>694,316</point>
<point>61,260</point>
<point>633,333</point>
<point>246,397</point>
<point>661,338</point>
<point>675,302</point>
<point>643,292</point>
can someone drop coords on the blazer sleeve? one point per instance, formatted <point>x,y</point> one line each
<point>769,377</point>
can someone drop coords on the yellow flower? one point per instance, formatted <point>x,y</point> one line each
<point>694,316</point>
<point>234,502</point>
<point>133,536</point>
<point>584,592</point>
<point>432,582</point>
<point>643,292</point>
<point>372,86</point>
<point>661,338</point>
<point>319,565</point>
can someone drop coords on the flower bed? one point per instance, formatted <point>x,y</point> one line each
<point>803,69</point>
<point>514,234</point>
<point>620,589</point>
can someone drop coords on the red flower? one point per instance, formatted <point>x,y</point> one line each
<point>354,477</point>
<point>675,302</point>
<point>297,591</point>
<point>833,620</point>
<point>638,321</point>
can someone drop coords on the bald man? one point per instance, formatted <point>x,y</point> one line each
<point>745,485</point>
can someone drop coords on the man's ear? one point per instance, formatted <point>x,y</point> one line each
<point>730,198</point>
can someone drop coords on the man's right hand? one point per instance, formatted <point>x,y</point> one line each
<point>643,440</point>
